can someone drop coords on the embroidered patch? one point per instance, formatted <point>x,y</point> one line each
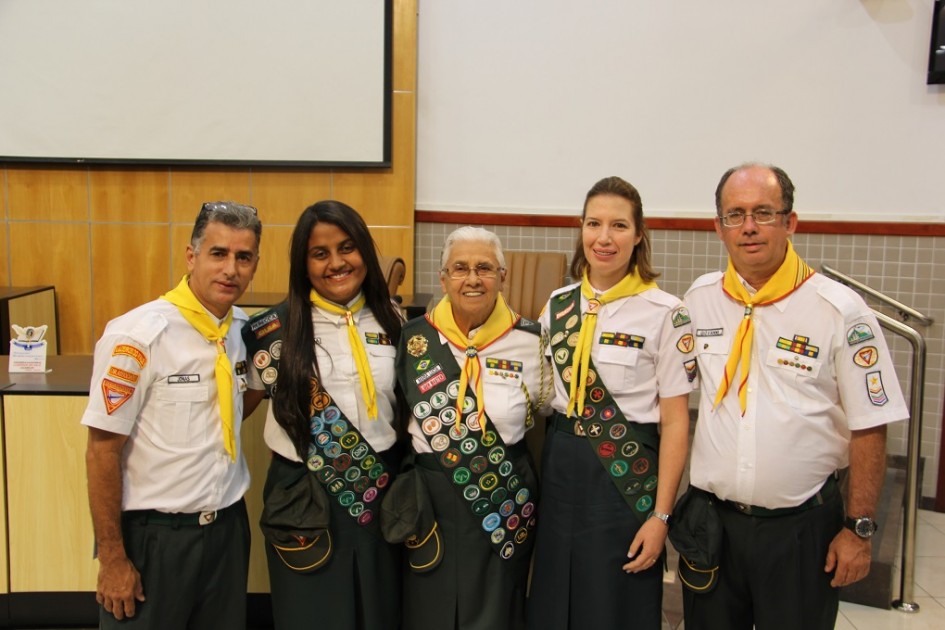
<point>432,382</point>
<point>178,379</point>
<point>130,351</point>
<point>859,333</point>
<point>561,355</point>
<point>503,364</point>
<point>621,339</point>
<point>275,349</point>
<point>115,394</point>
<point>874,385</point>
<point>240,368</point>
<point>564,296</point>
<point>798,345</point>
<point>377,338</point>
<point>432,372</point>
<point>563,312</point>
<point>124,375</point>
<point>690,369</point>
<point>262,359</point>
<point>866,357</point>
<point>685,344</point>
<point>680,317</point>
<point>710,332</point>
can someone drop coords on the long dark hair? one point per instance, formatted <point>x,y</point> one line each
<point>298,365</point>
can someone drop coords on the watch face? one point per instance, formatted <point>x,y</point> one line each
<point>864,527</point>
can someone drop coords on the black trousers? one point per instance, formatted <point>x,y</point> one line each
<point>194,577</point>
<point>771,574</point>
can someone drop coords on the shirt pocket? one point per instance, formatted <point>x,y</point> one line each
<point>712,355</point>
<point>381,359</point>
<point>616,366</point>
<point>793,380</point>
<point>504,396</point>
<point>178,406</point>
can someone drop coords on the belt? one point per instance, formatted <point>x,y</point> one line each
<point>567,424</point>
<point>176,519</point>
<point>828,491</point>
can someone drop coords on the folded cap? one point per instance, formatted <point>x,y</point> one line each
<point>696,534</point>
<point>295,521</point>
<point>407,517</point>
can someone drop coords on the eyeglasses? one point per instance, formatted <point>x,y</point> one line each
<point>761,216</point>
<point>460,271</point>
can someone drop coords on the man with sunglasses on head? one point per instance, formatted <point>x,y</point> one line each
<point>796,383</point>
<point>166,473</point>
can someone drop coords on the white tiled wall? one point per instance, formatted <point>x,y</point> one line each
<point>906,268</point>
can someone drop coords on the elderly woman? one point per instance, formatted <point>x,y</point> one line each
<point>326,358</point>
<point>474,376</point>
<point>621,351</point>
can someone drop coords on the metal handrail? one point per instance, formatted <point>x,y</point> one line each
<point>906,601</point>
<point>906,312</point>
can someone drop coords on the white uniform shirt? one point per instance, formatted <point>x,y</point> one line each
<point>819,369</point>
<point>153,380</point>
<point>506,405</point>
<point>339,377</point>
<point>636,377</point>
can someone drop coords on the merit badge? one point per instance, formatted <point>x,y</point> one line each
<point>564,312</point>
<point>573,339</point>
<point>115,394</point>
<point>276,349</point>
<point>417,346</point>
<point>439,442</point>
<point>685,343</point>
<point>858,334</point>
<point>690,367</point>
<point>561,355</point>
<point>572,322</point>
<point>262,359</point>
<point>874,384</point>
<point>269,375</point>
<point>557,338</point>
<point>866,357</point>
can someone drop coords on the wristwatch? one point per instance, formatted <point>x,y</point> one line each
<point>863,526</point>
<point>660,515</point>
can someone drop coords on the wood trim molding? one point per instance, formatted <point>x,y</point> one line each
<point>696,225</point>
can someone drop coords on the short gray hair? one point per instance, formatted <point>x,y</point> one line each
<point>229,213</point>
<point>471,234</point>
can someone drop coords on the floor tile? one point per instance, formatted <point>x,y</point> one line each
<point>931,616</point>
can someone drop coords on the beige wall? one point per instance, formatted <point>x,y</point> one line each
<point>112,238</point>
<point>910,269</point>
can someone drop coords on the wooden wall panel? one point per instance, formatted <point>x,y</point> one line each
<point>57,254</point>
<point>282,196</point>
<point>48,194</point>
<point>272,275</point>
<point>129,267</point>
<point>405,49</point>
<point>190,188</point>
<point>135,195</point>
<point>5,254</point>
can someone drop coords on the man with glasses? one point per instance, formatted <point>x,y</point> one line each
<point>165,471</point>
<point>796,383</point>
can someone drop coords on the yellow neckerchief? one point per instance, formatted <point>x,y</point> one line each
<point>357,347</point>
<point>499,322</point>
<point>631,284</point>
<point>792,273</point>
<point>193,311</point>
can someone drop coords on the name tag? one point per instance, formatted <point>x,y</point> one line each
<point>178,379</point>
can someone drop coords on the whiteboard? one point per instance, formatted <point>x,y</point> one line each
<point>523,105</point>
<point>283,81</point>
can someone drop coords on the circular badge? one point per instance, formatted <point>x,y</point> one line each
<point>365,517</point>
<point>606,449</point>
<point>588,412</point>
<point>561,355</point>
<point>499,495</point>
<point>619,468</point>
<point>632,487</point>
<point>571,323</point>
<point>521,497</point>
<point>507,507</point>
<point>417,346</point>
<point>421,410</point>
<point>521,535</point>
<point>505,468</point>
<point>346,498</point>
<point>356,509</point>
<point>488,481</point>
<point>566,374</point>
<point>629,449</point>
<point>376,471</point>
<point>431,426</point>
<point>497,536</point>
<point>450,458</point>
<point>382,480</point>
<point>644,503</point>
<point>315,424</point>
<point>335,486</point>
<point>453,389</point>
<point>326,474</point>
<point>359,451</point>
<point>448,416</point>
<point>320,400</point>
<point>514,483</point>
<point>607,413</point>
<point>333,449</point>
<point>491,521</point>
<point>508,550</point>
<point>361,485</point>
<point>478,464</point>
<point>461,476</point>
<point>276,349</point>
<point>322,438</point>
<point>352,474</point>
<point>596,394</point>
<point>513,522</point>
<point>488,438</point>
<point>617,431</point>
<point>650,484</point>
<point>468,404</point>
<point>338,427</point>
<point>439,400</point>
<point>591,377</point>
<point>342,462</point>
<point>349,440</point>
<point>640,466</point>
<point>471,492</point>
<point>332,414</point>
<point>262,359</point>
<point>368,462</point>
<point>481,506</point>
<point>439,442</point>
<point>527,509</point>
<point>496,454</point>
<point>315,463</point>
<point>472,421</point>
<point>269,375</point>
<point>557,338</point>
<point>458,431</point>
<point>594,429</point>
<point>468,446</point>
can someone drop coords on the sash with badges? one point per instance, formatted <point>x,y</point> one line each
<point>343,461</point>
<point>476,463</point>
<point>617,442</point>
